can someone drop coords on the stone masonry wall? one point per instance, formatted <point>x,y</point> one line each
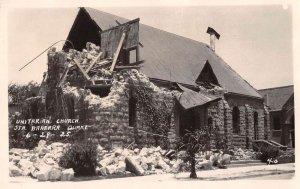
<point>107,117</point>
<point>157,102</point>
<point>267,124</point>
<point>228,122</point>
<point>216,112</point>
<point>247,108</point>
<point>160,99</point>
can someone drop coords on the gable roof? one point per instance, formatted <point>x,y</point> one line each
<point>177,59</point>
<point>277,97</point>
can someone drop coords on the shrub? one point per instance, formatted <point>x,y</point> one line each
<point>82,157</point>
<point>286,156</point>
<point>268,153</point>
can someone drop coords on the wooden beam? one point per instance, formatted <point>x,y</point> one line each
<point>118,22</point>
<point>82,70</point>
<point>93,63</point>
<point>117,52</point>
<point>137,54</point>
<point>101,64</point>
<point>127,67</point>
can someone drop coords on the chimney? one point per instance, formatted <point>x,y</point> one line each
<point>213,35</point>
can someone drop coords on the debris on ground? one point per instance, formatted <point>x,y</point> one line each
<point>42,162</point>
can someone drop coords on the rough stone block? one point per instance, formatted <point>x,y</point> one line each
<point>67,175</point>
<point>133,166</point>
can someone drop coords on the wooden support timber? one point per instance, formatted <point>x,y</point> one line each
<point>93,63</point>
<point>100,65</point>
<point>82,70</point>
<point>117,52</point>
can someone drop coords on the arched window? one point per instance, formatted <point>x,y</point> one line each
<point>210,123</point>
<point>276,123</point>
<point>255,126</point>
<point>236,120</point>
<point>71,107</point>
<point>132,111</point>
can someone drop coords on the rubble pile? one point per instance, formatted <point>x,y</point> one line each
<point>143,161</point>
<point>40,163</point>
<point>72,91</point>
<point>92,61</point>
<point>117,92</point>
<point>243,154</point>
<point>139,78</point>
<point>154,160</point>
<point>86,56</point>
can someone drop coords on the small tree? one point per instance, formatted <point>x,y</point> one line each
<point>194,142</point>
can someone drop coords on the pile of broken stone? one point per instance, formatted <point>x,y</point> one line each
<point>243,154</point>
<point>42,162</point>
<point>88,56</point>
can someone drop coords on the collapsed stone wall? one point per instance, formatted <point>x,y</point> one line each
<point>109,115</point>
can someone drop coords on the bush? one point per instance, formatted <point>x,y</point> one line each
<point>268,153</point>
<point>82,157</point>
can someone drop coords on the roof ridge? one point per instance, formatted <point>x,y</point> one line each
<point>229,67</point>
<point>149,26</point>
<point>286,86</point>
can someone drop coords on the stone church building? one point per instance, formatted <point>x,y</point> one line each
<point>210,91</point>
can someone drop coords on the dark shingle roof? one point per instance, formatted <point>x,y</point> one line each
<point>178,59</point>
<point>277,97</point>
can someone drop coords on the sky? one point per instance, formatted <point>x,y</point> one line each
<point>256,41</point>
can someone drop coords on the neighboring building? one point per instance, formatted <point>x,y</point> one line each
<point>280,102</point>
<point>213,93</point>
